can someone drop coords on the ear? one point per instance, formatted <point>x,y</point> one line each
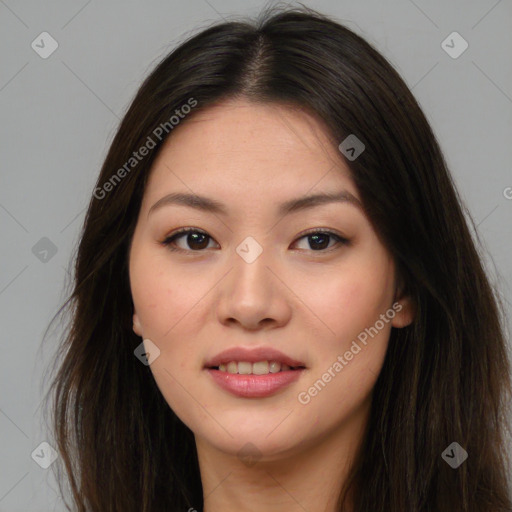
<point>404,307</point>
<point>137,328</point>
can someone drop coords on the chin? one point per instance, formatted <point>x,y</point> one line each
<point>270,436</point>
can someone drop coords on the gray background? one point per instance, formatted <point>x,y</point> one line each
<point>59,115</point>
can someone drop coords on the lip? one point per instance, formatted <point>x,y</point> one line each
<point>252,355</point>
<point>254,386</point>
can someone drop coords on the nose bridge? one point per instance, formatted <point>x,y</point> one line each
<point>250,272</point>
<point>251,293</point>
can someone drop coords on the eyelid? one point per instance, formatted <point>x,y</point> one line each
<point>327,231</point>
<point>324,231</point>
<point>166,242</point>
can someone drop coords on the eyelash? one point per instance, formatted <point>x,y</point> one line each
<point>171,238</point>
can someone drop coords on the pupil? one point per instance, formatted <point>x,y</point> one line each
<point>192,239</point>
<point>325,237</point>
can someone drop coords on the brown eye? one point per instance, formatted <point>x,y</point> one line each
<point>320,240</point>
<point>195,240</point>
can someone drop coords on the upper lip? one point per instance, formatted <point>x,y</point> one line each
<point>252,355</point>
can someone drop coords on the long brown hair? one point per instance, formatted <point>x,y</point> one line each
<point>446,377</point>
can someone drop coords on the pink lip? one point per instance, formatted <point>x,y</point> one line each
<point>254,386</point>
<point>252,356</point>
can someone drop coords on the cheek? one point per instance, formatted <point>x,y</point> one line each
<point>350,301</point>
<point>161,295</point>
<point>164,300</point>
<point>349,355</point>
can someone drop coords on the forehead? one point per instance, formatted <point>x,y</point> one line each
<point>263,149</point>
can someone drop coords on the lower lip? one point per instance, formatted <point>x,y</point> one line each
<point>254,386</point>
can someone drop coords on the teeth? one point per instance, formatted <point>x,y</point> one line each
<point>259,368</point>
<point>244,368</point>
<point>274,367</point>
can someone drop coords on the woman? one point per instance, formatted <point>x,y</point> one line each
<point>277,302</point>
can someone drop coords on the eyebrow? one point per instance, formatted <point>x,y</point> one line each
<point>294,205</point>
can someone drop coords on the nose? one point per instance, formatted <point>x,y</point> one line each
<point>251,296</point>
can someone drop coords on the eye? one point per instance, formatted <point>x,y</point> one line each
<point>319,239</point>
<point>196,240</point>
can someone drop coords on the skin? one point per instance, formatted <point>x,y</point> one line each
<point>310,304</point>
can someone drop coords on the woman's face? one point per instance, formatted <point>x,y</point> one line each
<point>259,277</point>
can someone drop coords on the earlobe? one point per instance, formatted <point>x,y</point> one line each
<point>404,312</point>
<point>404,307</point>
<point>137,329</point>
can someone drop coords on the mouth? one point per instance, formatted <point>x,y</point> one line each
<point>257,368</point>
<point>255,373</point>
